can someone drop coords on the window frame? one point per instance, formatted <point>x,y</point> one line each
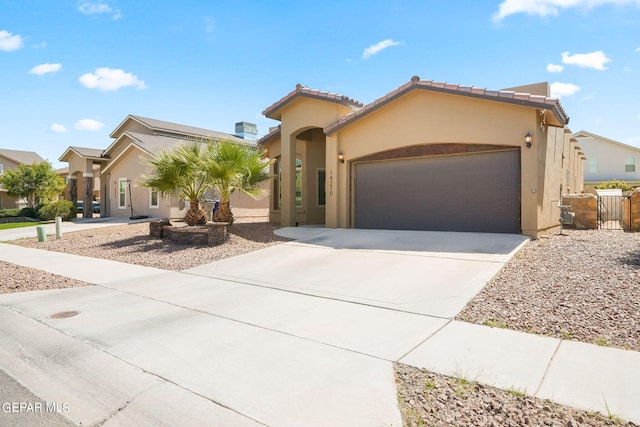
<point>151,204</point>
<point>119,193</point>
<point>630,164</point>
<point>594,165</point>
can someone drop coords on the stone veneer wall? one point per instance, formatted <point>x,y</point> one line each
<point>212,234</point>
<point>585,208</point>
<point>631,211</point>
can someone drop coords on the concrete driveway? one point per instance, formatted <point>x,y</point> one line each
<point>298,334</point>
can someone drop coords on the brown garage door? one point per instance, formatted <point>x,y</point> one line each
<point>469,192</point>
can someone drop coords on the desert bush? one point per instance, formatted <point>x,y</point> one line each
<point>9,213</point>
<point>63,208</point>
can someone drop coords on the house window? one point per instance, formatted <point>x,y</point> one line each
<point>277,171</point>
<point>322,196</point>
<point>154,201</point>
<point>298,183</point>
<point>122,193</point>
<point>1,168</point>
<point>593,165</point>
<point>277,183</point>
<point>630,164</point>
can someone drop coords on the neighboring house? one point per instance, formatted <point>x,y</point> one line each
<point>10,159</point>
<point>64,173</point>
<point>426,156</point>
<point>121,166</point>
<point>608,160</point>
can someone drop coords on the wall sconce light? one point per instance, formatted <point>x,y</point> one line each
<point>527,139</point>
<point>341,157</point>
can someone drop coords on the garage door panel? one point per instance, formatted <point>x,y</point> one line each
<point>473,192</point>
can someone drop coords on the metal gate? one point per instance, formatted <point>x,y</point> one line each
<point>614,213</point>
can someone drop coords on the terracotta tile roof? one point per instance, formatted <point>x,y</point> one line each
<point>270,136</point>
<point>305,91</point>
<point>525,99</point>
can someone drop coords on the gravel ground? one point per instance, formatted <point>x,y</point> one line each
<point>428,399</point>
<point>584,286</point>
<point>19,279</point>
<point>131,244</point>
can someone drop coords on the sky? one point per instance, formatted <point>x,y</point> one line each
<point>71,71</point>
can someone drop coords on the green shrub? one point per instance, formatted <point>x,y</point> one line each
<point>63,208</point>
<point>9,213</point>
<point>614,184</point>
<point>29,213</point>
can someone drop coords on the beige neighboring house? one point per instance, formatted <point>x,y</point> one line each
<point>121,166</point>
<point>608,160</point>
<point>426,156</point>
<point>10,159</point>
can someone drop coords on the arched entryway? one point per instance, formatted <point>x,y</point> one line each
<point>309,196</point>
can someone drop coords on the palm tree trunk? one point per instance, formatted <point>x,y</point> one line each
<point>195,215</point>
<point>224,213</point>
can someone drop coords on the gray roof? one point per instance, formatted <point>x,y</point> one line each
<point>88,152</point>
<point>153,143</point>
<point>23,157</point>
<point>162,127</point>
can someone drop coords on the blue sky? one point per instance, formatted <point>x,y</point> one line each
<point>73,70</point>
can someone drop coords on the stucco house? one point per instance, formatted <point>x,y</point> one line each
<point>426,156</point>
<point>121,166</point>
<point>608,160</point>
<point>10,159</point>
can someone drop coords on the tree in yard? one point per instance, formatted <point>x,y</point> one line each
<point>180,172</point>
<point>232,167</point>
<point>38,182</point>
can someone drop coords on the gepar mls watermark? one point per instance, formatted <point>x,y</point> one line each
<point>34,407</point>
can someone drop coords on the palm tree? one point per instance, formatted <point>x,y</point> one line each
<point>180,172</point>
<point>232,167</point>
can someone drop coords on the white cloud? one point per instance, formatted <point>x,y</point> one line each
<point>9,42</point>
<point>45,68</point>
<point>558,90</point>
<point>88,124</point>
<point>108,79</point>
<point>544,8</point>
<point>40,45</point>
<point>57,128</point>
<point>89,8</point>
<point>555,68</point>
<point>374,49</point>
<point>209,24</point>
<point>595,60</point>
<point>638,49</point>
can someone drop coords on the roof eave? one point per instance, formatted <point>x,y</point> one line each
<point>554,105</point>
<point>269,137</point>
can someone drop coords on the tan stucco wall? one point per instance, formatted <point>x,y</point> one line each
<point>298,116</point>
<point>7,202</point>
<point>78,168</point>
<point>422,118</point>
<point>611,160</point>
<point>129,166</point>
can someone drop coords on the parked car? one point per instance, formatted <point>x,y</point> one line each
<point>80,206</point>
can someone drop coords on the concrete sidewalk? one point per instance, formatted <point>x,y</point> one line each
<point>217,345</point>
<point>67,227</point>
